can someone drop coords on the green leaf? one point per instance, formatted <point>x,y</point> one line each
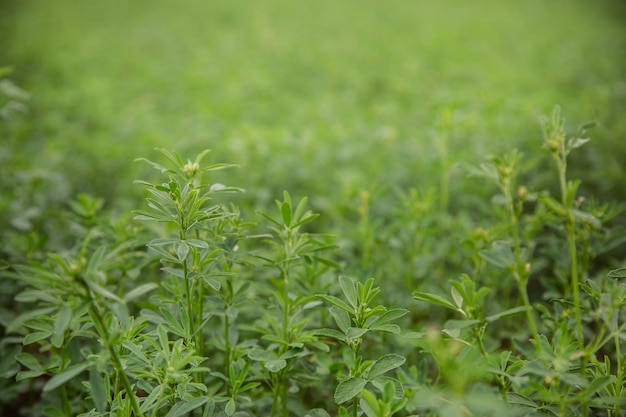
<point>459,324</point>
<point>306,220</point>
<point>317,412</point>
<point>588,218</point>
<point>103,292</point>
<point>617,273</point>
<point>553,205</point>
<point>382,381</point>
<point>35,337</point>
<point>389,392</point>
<point>275,365</point>
<point>261,355</point>
<point>434,299</point>
<point>506,313</point>
<point>274,338</point>
<point>28,361</point>
<point>369,404</point>
<point>61,323</point>
<point>331,333</point>
<point>335,301</point>
<point>97,389</point>
<point>209,408</point>
<point>596,385</point>
<point>500,254</point>
<point>184,407</point>
<point>140,291</point>
<point>457,297</point>
<point>387,328</point>
<point>515,398</point>
<point>388,316</point>
<point>342,318</point>
<point>182,251</point>
<point>349,389</point>
<point>349,290</point>
<point>28,375</point>
<point>136,351</point>
<point>172,324</point>
<point>229,409</point>
<point>574,143</point>
<point>68,374</point>
<point>385,364</point>
<point>355,332</point>
<point>285,210</point>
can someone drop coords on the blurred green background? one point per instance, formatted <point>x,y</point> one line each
<point>327,99</point>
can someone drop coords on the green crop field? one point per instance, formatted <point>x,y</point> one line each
<point>400,208</point>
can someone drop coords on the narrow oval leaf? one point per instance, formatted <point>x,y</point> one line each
<point>519,399</point>
<point>103,292</point>
<point>63,377</point>
<point>275,365</point>
<point>61,323</point>
<point>457,297</point>
<point>349,389</point>
<point>618,273</point>
<point>385,364</point>
<point>388,316</point>
<point>382,381</point>
<point>335,301</point>
<point>506,313</point>
<point>331,333</point>
<point>355,332</point>
<point>261,355</point>
<point>433,299</point>
<point>97,389</point>
<point>349,290</point>
<point>229,409</point>
<point>35,337</point>
<point>386,328</point>
<point>183,408</point>
<point>317,412</point>
<point>182,251</point>
<point>285,210</point>
<point>500,254</point>
<point>28,361</point>
<point>342,318</point>
<point>140,291</point>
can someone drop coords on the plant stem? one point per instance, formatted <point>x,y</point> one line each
<point>65,404</point>
<point>115,358</point>
<point>561,161</point>
<point>189,299</point>
<point>227,338</point>
<point>479,340</point>
<point>520,269</point>
<point>529,313</point>
<point>356,354</point>
<point>276,389</point>
<point>284,397</point>
<point>571,240</point>
<point>620,373</point>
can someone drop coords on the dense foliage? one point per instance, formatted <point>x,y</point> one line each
<point>394,218</point>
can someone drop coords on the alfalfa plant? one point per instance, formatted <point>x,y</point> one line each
<point>297,260</point>
<point>356,318</point>
<point>514,252</point>
<point>565,208</point>
<point>78,323</point>
<point>183,202</point>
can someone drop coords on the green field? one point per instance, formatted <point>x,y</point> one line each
<point>425,134</point>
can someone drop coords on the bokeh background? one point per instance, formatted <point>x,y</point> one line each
<point>336,100</point>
